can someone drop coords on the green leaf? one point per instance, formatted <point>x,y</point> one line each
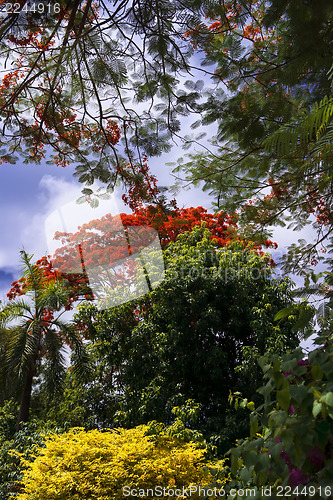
<point>316,409</point>
<point>245,475</point>
<point>298,392</point>
<point>275,450</point>
<point>283,398</point>
<point>317,372</point>
<point>236,462</point>
<point>254,425</point>
<point>250,457</point>
<point>298,451</point>
<point>287,437</point>
<point>285,312</point>
<point>316,393</point>
<point>251,406</point>
<point>82,199</point>
<point>265,390</point>
<point>328,399</point>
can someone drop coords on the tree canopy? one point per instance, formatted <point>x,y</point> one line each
<point>197,335</point>
<point>272,155</point>
<point>94,83</point>
<point>105,87</point>
<point>126,462</point>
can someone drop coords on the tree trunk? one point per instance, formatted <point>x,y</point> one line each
<point>25,399</point>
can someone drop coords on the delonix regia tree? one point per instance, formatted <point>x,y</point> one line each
<point>100,85</point>
<point>197,335</point>
<point>120,255</point>
<point>81,76</point>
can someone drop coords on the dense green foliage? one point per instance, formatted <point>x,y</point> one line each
<point>197,335</point>
<point>291,441</point>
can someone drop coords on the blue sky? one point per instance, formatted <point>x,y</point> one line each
<point>28,192</point>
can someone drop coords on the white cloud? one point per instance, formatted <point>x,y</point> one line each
<point>58,211</point>
<point>52,191</point>
<point>3,258</point>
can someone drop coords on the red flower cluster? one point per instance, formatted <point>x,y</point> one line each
<point>170,225</point>
<point>77,285</point>
<point>112,132</point>
<point>16,290</point>
<point>141,184</point>
<point>103,243</point>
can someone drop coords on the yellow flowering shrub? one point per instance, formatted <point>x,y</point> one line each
<point>115,464</point>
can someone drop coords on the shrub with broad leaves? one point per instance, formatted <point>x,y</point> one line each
<point>291,437</point>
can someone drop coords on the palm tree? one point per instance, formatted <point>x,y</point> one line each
<point>32,335</point>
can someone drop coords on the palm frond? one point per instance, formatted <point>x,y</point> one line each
<point>54,367</point>
<point>81,365</point>
<point>31,271</point>
<point>14,310</point>
<point>22,350</point>
<point>310,128</point>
